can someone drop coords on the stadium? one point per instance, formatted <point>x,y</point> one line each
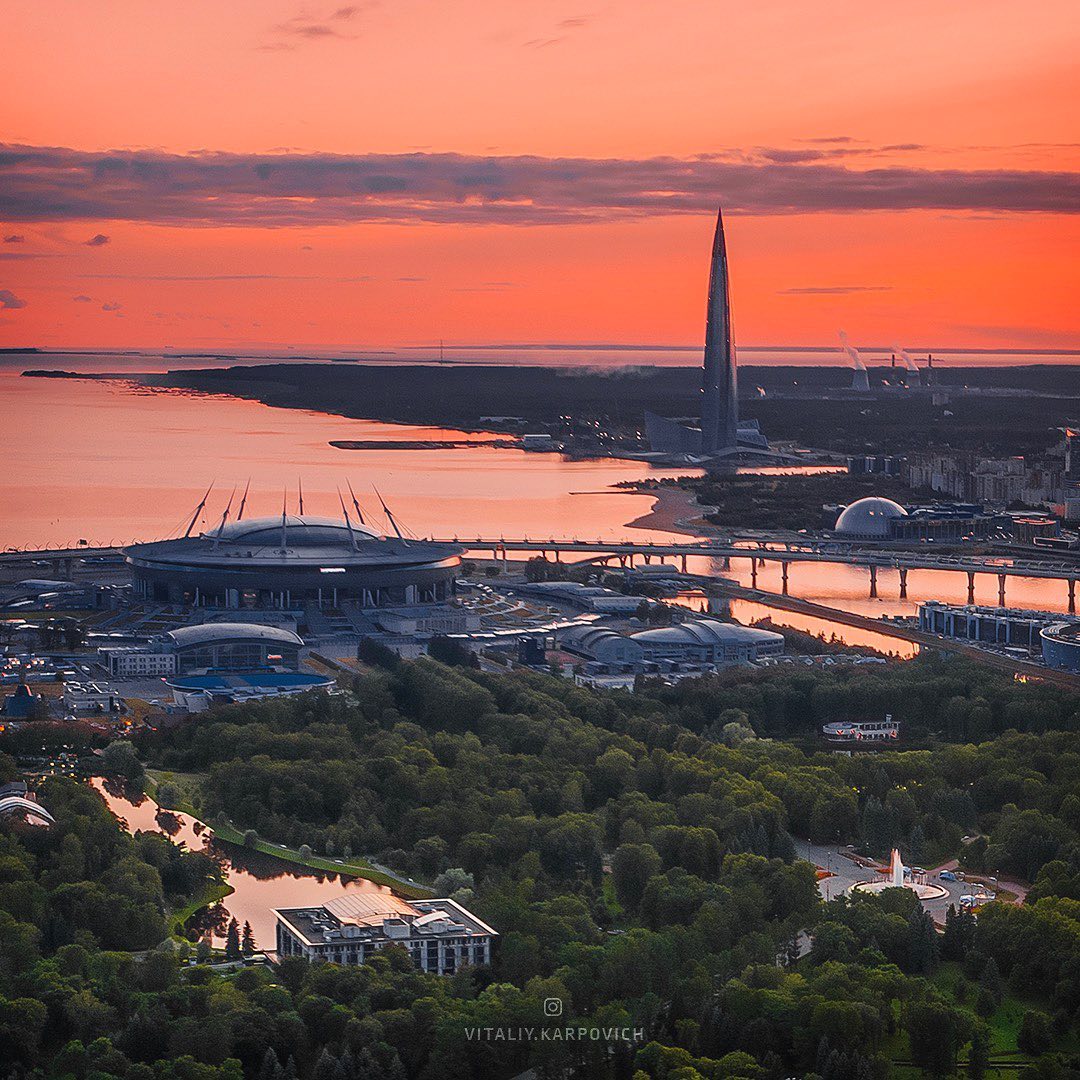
<point>293,561</point>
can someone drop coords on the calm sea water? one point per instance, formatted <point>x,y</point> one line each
<point>109,463</point>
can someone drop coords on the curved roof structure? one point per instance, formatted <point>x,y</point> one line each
<point>211,633</point>
<point>290,561</point>
<point>12,804</point>
<point>705,632</point>
<point>587,637</point>
<point>304,531</point>
<point>302,542</point>
<point>869,518</point>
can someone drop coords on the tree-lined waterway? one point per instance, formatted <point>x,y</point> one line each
<point>260,882</point>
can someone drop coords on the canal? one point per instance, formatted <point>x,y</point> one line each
<point>260,882</point>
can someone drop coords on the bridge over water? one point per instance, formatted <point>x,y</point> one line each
<point>60,561</point>
<point>785,553</point>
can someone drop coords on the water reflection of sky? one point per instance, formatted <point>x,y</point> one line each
<point>260,882</point>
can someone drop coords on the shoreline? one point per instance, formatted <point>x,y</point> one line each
<point>675,510</point>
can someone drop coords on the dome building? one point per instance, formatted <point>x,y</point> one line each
<point>293,561</point>
<point>869,519</point>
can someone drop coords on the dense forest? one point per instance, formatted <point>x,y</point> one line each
<point>635,854</point>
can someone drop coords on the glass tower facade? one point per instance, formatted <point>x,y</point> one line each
<point>719,396</point>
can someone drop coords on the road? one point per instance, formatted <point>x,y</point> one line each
<point>847,873</point>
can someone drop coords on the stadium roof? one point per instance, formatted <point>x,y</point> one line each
<point>304,531</point>
<point>705,632</point>
<point>211,633</point>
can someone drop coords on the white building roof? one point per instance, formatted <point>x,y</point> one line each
<point>211,633</point>
<point>871,518</point>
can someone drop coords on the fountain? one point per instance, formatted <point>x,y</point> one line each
<point>896,878</point>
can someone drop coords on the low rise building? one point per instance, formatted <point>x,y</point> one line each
<point>428,621</point>
<point>708,641</point>
<point>701,643</point>
<point>137,661</point>
<point>602,644</point>
<point>197,693</point>
<point>587,597</point>
<point>440,935</point>
<point>1011,627</point>
<point>862,731</point>
<point>206,647</point>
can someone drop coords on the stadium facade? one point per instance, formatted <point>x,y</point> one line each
<point>293,561</point>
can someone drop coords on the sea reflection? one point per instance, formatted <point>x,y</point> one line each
<point>113,465</point>
<point>260,882</point>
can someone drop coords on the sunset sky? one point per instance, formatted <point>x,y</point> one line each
<point>271,174</point>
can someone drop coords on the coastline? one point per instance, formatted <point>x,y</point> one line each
<point>675,510</point>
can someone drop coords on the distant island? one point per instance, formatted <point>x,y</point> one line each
<point>601,412</point>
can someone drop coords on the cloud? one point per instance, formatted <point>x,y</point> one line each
<point>15,238</point>
<point>220,277</point>
<point>832,290</point>
<point>97,240</point>
<point>82,299</point>
<point>108,306</point>
<point>276,190</point>
<point>9,301</point>
<point>307,28</point>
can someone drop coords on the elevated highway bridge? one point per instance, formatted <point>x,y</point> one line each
<point>62,561</point>
<point>785,553</point>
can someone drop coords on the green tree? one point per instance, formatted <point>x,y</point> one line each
<point>934,1033</point>
<point>632,866</point>
<point>979,1053</point>
<point>119,759</point>
<point>1036,1034</point>
<point>232,941</point>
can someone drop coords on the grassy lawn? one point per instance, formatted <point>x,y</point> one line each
<point>188,786</point>
<point>210,895</point>
<point>1006,1059</point>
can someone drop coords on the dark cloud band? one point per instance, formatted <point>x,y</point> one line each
<point>268,190</point>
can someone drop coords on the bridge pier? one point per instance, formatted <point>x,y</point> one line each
<point>1001,590</point>
<point>971,586</point>
<point>784,577</point>
<point>903,582</point>
<point>1072,596</point>
<point>873,582</point>
<point>725,563</point>
<point>648,559</point>
<point>684,564</point>
<point>753,571</point>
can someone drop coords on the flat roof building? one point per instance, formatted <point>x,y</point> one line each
<point>441,936</point>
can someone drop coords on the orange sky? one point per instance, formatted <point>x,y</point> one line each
<point>885,170</point>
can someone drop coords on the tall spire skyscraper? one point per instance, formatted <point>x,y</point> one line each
<point>719,394</point>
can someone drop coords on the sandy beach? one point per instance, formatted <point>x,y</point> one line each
<point>675,511</point>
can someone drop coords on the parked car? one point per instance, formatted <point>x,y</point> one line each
<point>947,875</point>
